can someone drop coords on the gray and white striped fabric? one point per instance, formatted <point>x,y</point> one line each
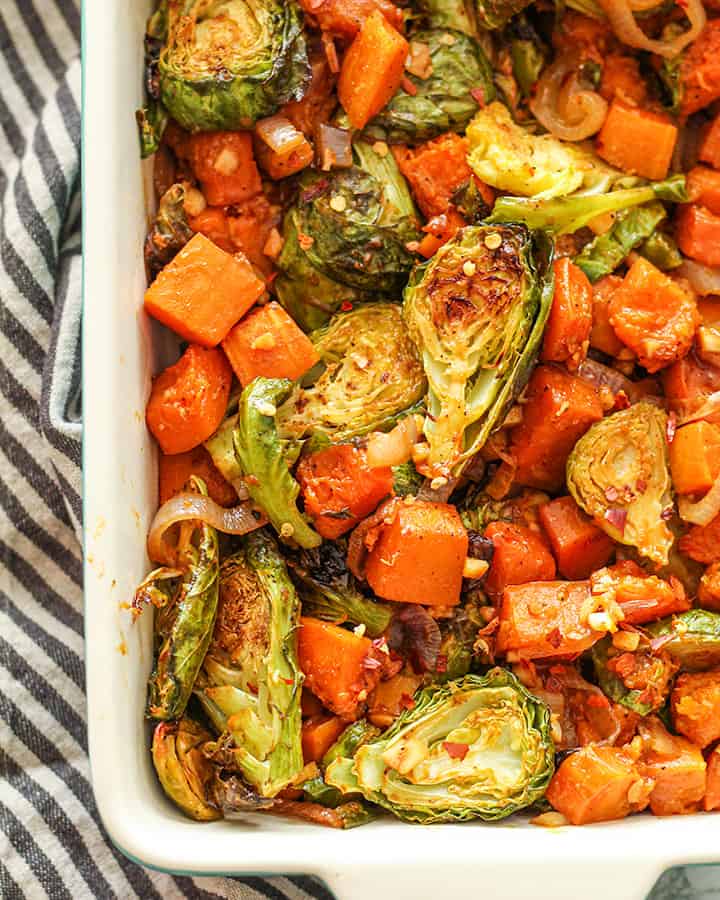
<point>51,841</point>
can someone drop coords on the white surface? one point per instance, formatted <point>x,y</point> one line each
<point>511,861</point>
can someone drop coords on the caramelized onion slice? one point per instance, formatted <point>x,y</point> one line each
<point>568,110</point>
<point>705,510</point>
<point>188,506</point>
<point>626,29</point>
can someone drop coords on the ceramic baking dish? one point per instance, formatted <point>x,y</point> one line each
<point>507,860</point>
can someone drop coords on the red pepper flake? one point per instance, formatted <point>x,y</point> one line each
<point>456,751</point>
<point>641,485</point>
<point>555,638</point>
<point>407,702</point>
<point>671,427</point>
<point>441,664</point>
<point>288,680</point>
<point>617,518</point>
<point>408,86</point>
<point>478,95</point>
<point>346,306</point>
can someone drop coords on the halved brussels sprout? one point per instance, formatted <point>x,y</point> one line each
<point>372,374</point>
<point>476,311</point>
<point>640,680</point>
<point>352,738</point>
<point>442,100</point>
<point>228,63</point>
<point>618,473</point>
<point>259,452</point>
<point>169,232</point>
<point>185,616</point>
<point>693,639</point>
<point>346,238</point>
<point>479,747</point>
<point>250,682</point>
<point>493,14</point>
<point>182,768</point>
<point>456,14</point>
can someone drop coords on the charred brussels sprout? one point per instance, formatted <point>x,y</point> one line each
<point>639,680</point>
<point>170,230</point>
<point>693,639</point>
<point>479,747</point>
<point>476,312</point>
<point>259,453</point>
<point>618,473</point>
<point>442,99</point>
<point>458,633</point>
<point>330,592</point>
<point>187,605</point>
<point>492,14</point>
<point>352,738</point>
<point>250,681</point>
<point>228,63</point>
<point>372,374</point>
<point>346,238</point>
<point>456,14</point>
<point>182,768</point>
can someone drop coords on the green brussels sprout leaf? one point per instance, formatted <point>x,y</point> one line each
<point>654,671</point>
<point>182,768</point>
<point>693,639</point>
<point>169,232</point>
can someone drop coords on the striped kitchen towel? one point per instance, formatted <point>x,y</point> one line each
<point>51,841</point>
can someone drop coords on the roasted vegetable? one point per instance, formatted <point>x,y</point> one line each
<point>456,14</point>
<point>527,52</point>
<point>661,250</point>
<point>353,737</point>
<point>458,633</point>
<point>185,618</point>
<point>182,768</point>
<point>228,63</point>
<point>618,473</point>
<point>151,120</point>
<point>639,680</point>
<point>493,14</point>
<point>260,455</point>
<point>372,374</point>
<point>329,591</point>
<point>605,253</point>
<point>346,237</point>
<point>692,639</point>
<point>407,481</point>
<point>250,682</point>
<point>453,66</point>
<point>479,747</point>
<point>476,312</point>
<point>169,232</point>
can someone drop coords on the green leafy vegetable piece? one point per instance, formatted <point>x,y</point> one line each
<point>456,14</point>
<point>493,14</point>
<point>250,682</point>
<point>476,311</point>
<point>407,481</point>
<point>169,232</point>
<point>228,63</point>
<point>354,736</point>
<point>618,473</point>
<point>479,747</point>
<point>372,374</point>
<point>330,592</point>
<point>151,121</point>
<point>607,251</point>
<point>442,101</point>
<point>182,769</point>
<point>458,633</point>
<point>527,52</point>
<point>564,215</point>
<point>694,639</point>
<point>184,622</point>
<point>662,251</point>
<point>657,670</point>
<point>260,456</point>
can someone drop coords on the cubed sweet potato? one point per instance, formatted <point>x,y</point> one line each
<point>637,140</point>
<point>580,547</point>
<point>519,555</point>
<point>695,704</point>
<point>711,800</point>
<point>174,471</point>
<point>419,555</point>
<point>559,409</point>
<point>676,767</point>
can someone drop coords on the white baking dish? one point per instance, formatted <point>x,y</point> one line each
<point>500,861</point>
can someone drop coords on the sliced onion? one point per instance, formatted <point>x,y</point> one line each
<point>702,279</point>
<point>334,150</point>
<point>357,543</point>
<point>279,133</point>
<point>629,32</point>
<point>705,510</point>
<point>414,631</point>
<point>188,506</point>
<point>568,111</point>
<point>600,375</point>
<point>710,407</point>
<point>394,447</point>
